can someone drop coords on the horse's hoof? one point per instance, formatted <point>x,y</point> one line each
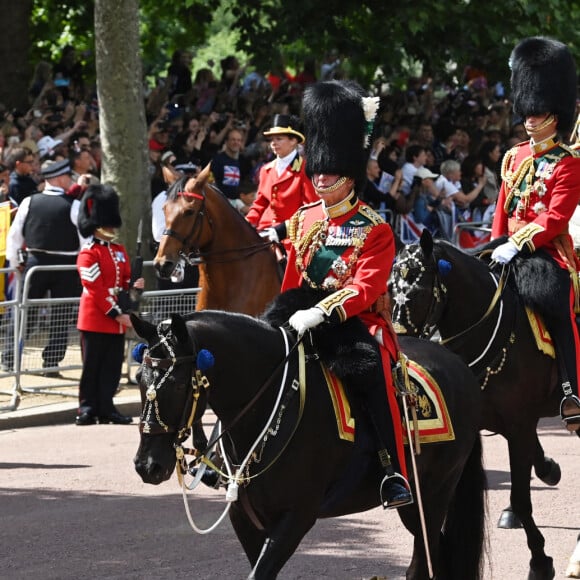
<point>544,572</point>
<point>551,473</point>
<point>508,520</point>
<point>573,570</point>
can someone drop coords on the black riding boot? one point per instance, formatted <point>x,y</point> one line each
<point>394,489</point>
<point>562,333</point>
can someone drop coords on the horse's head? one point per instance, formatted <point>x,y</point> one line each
<point>187,226</point>
<point>417,288</point>
<point>171,392</point>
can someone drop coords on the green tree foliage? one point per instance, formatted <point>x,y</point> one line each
<point>165,27</point>
<point>386,33</point>
<point>369,34</point>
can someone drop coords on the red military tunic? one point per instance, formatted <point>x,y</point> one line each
<point>539,193</point>
<point>350,249</point>
<point>280,196</point>
<point>104,270</point>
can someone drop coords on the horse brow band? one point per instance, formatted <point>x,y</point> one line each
<point>190,194</point>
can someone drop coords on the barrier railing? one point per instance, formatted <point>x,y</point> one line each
<point>27,325</point>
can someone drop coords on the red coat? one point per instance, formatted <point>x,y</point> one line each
<point>279,197</point>
<point>104,270</point>
<point>534,221</point>
<point>352,253</point>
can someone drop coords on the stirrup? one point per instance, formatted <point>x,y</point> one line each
<point>570,420</point>
<point>395,491</point>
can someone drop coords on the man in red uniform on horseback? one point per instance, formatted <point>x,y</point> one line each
<point>342,246</point>
<point>539,193</point>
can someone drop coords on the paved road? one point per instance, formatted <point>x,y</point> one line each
<point>72,507</point>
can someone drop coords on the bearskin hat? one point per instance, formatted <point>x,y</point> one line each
<point>99,208</point>
<point>335,119</point>
<point>543,80</point>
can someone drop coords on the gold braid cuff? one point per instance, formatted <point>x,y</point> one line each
<point>335,302</point>
<point>523,237</point>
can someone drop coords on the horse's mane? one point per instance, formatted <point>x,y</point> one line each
<point>233,319</point>
<point>443,249</point>
<point>176,187</point>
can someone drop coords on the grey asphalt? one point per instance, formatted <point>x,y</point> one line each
<point>60,413</point>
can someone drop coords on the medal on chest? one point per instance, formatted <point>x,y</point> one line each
<point>326,254</point>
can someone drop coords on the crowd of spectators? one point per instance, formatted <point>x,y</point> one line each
<point>434,158</point>
<point>197,117</point>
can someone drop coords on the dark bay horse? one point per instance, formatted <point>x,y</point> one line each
<point>434,284</point>
<point>297,471</point>
<point>238,269</point>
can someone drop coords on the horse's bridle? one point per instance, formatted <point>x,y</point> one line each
<point>437,303</point>
<point>439,291</point>
<point>199,382</point>
<point>189,241</point>
<point>190,251</point>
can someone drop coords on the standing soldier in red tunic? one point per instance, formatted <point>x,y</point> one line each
<point>105,273</point>
<point>539,193</point>
<point>342,246</point>
<point>283,187</point>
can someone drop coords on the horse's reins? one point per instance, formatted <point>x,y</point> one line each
<point>500,284</point>
<point>198,256</point>
<point>198,379</point>
<point>265,386</point>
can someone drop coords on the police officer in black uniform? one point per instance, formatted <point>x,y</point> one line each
<point>45,224</point>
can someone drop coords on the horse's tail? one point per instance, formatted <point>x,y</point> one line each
<point>464,538</point>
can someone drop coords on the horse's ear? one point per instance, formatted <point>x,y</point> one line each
<point>179,329</point>
<point>426,242</point>
<point>170,175</point>
<point>143,328</point>
<point>202,178</point>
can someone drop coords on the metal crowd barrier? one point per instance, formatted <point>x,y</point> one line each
<point>25,327</point>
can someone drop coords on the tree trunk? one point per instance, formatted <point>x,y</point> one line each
<point>14,44</point>
<point>122,113</point>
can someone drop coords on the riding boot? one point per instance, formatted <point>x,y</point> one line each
<point>563,336</point>
<point>394,488</point>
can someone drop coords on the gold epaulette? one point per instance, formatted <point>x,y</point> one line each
<point>270,164</point>
<point>371,214</point>
<point>508,158</point>
<point>572,150</point>
<point>292,228</point>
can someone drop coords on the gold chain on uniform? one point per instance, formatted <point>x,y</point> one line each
<point>313,240</point>
<point>513,179</point>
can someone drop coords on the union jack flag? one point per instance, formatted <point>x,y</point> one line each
<point>408,229</point>
<point>231,175</point>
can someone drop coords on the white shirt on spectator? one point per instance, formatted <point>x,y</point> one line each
<point>157,216</point>
<point>409,170</point>
<point>445,186</point>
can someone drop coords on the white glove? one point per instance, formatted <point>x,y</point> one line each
<point>270,234</point>
<point>503,254</point>
<point>302,320</point>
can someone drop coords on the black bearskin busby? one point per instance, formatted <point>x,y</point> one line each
<point>336,129</point>
<point>99,208</point>
<point>543,80</point>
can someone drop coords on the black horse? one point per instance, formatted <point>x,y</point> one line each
<point>481,318</point>
<point>302,470</point>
